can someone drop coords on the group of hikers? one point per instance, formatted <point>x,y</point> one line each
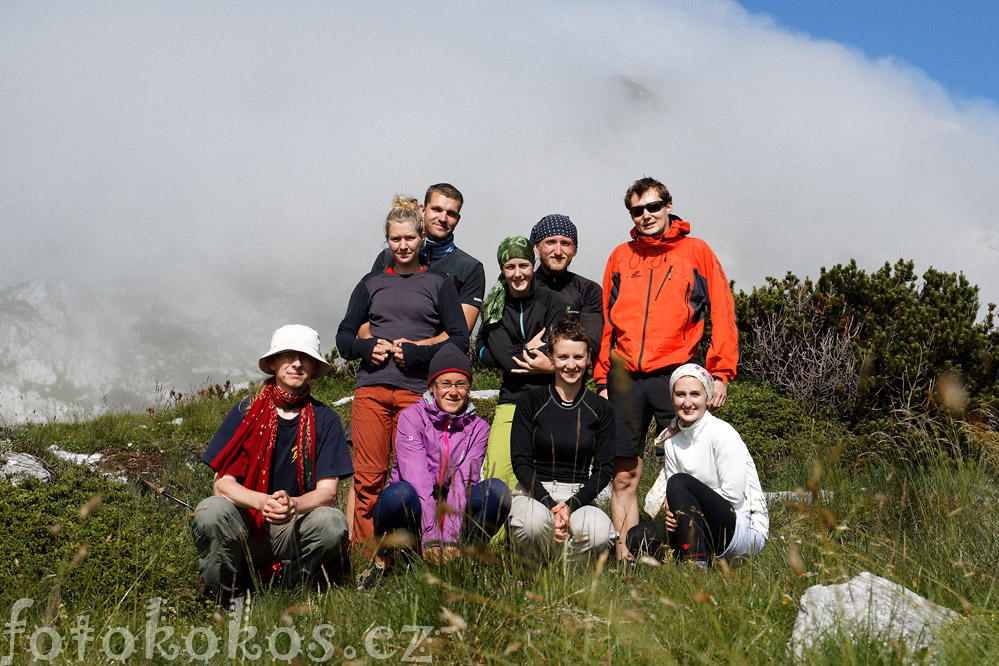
<point>429,475</point>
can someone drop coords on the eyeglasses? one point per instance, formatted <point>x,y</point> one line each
<point>447,386</point>
<point>652,207</point>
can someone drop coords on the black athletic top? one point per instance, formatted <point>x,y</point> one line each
<point>581,297</point>
<point>552,440</point>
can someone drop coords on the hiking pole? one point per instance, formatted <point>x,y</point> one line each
<point>147,486</point>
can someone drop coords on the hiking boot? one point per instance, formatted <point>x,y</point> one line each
<point>371,576</point>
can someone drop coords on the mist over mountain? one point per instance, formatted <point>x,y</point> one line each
<point>68,351</point>
<point>178,180</point>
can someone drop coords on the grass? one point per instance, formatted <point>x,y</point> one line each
<point>127,558</point>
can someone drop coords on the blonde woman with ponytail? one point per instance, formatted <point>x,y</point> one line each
<point>411,312</point>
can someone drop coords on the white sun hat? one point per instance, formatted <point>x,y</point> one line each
<point>295,337</point>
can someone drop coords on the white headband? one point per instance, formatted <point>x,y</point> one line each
<point>696,371</point>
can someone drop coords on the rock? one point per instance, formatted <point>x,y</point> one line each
<point>177,421</point>
<point>16,467</point>
<point>20,466</point>
<point>90,459</point>
<point>795,496</point>
<point>868,606</point>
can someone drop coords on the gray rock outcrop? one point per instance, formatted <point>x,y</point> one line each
<point>19,466</point>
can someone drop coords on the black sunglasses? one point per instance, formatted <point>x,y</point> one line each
<point>652,207</point>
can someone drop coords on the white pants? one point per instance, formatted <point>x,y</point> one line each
<point>746,541</point>
<point>533,525</point>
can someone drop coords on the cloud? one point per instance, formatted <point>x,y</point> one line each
<point>210,155</point>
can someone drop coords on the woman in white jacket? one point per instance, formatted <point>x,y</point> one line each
<point>709,488</point>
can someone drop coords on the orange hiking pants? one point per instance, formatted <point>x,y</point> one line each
<point>373,419</point>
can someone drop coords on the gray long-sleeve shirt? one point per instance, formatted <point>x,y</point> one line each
<point>416,307</point>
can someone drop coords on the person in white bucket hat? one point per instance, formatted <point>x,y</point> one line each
<point>295,337</point>
<point>277,458</point>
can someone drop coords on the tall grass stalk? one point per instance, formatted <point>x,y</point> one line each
<point>930,527</point>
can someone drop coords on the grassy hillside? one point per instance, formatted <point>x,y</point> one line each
<point>87,548</point>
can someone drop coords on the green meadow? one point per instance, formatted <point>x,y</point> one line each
<point>871,397</point>
<point>92,552</point>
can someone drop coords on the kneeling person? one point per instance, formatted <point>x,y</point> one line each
<point>277,459</point>
<point>709,490</point>
<point>440,445</point>
<point>562,448</point>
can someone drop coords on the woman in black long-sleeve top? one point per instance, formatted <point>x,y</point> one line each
<point>515,317</point>
<point>562,449</point>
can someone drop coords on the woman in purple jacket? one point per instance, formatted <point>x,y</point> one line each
<point>440,444</point>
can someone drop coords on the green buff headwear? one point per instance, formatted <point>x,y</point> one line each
<point>512,247</point>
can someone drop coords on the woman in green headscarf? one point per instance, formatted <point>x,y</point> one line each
<point>516,314</point>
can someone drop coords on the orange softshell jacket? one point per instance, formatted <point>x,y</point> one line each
<point>655,292</point>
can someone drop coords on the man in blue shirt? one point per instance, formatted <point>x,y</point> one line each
<point>278,458</point>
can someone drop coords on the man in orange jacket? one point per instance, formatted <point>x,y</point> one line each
<point>656,290</point>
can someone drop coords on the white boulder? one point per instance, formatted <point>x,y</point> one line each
<point>868,606</point>
<point>19,466</point>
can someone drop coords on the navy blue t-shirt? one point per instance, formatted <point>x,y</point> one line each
<point>332,454</point>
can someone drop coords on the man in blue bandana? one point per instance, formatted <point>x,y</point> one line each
<point>441,211</point>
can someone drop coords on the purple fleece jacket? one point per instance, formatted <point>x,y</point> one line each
<point>419,450</point>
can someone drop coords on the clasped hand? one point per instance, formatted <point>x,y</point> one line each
<point>279,508</point>
<point>386,348</point>
<point>560,512</point>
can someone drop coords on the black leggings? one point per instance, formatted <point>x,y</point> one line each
<point>705,523</point>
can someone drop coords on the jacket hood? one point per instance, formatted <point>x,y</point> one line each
<point>678,228</point>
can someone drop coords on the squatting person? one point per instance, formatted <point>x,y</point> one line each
<point>709,490</point>
<point>277,458</point>
<point>435,495</point>
<point>562,446</point>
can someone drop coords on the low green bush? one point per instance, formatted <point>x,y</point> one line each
<point>82,539</point>
<point>869,344</point>
<point>778,432</point>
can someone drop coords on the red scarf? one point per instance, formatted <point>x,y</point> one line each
<point>256,437</point>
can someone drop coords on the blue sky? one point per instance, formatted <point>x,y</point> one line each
<point>954,43</point>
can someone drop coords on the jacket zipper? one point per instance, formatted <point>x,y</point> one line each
<point>447,450</point>
<point>648,299</point>
<point>668,273</point>
<point>686,303</point>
